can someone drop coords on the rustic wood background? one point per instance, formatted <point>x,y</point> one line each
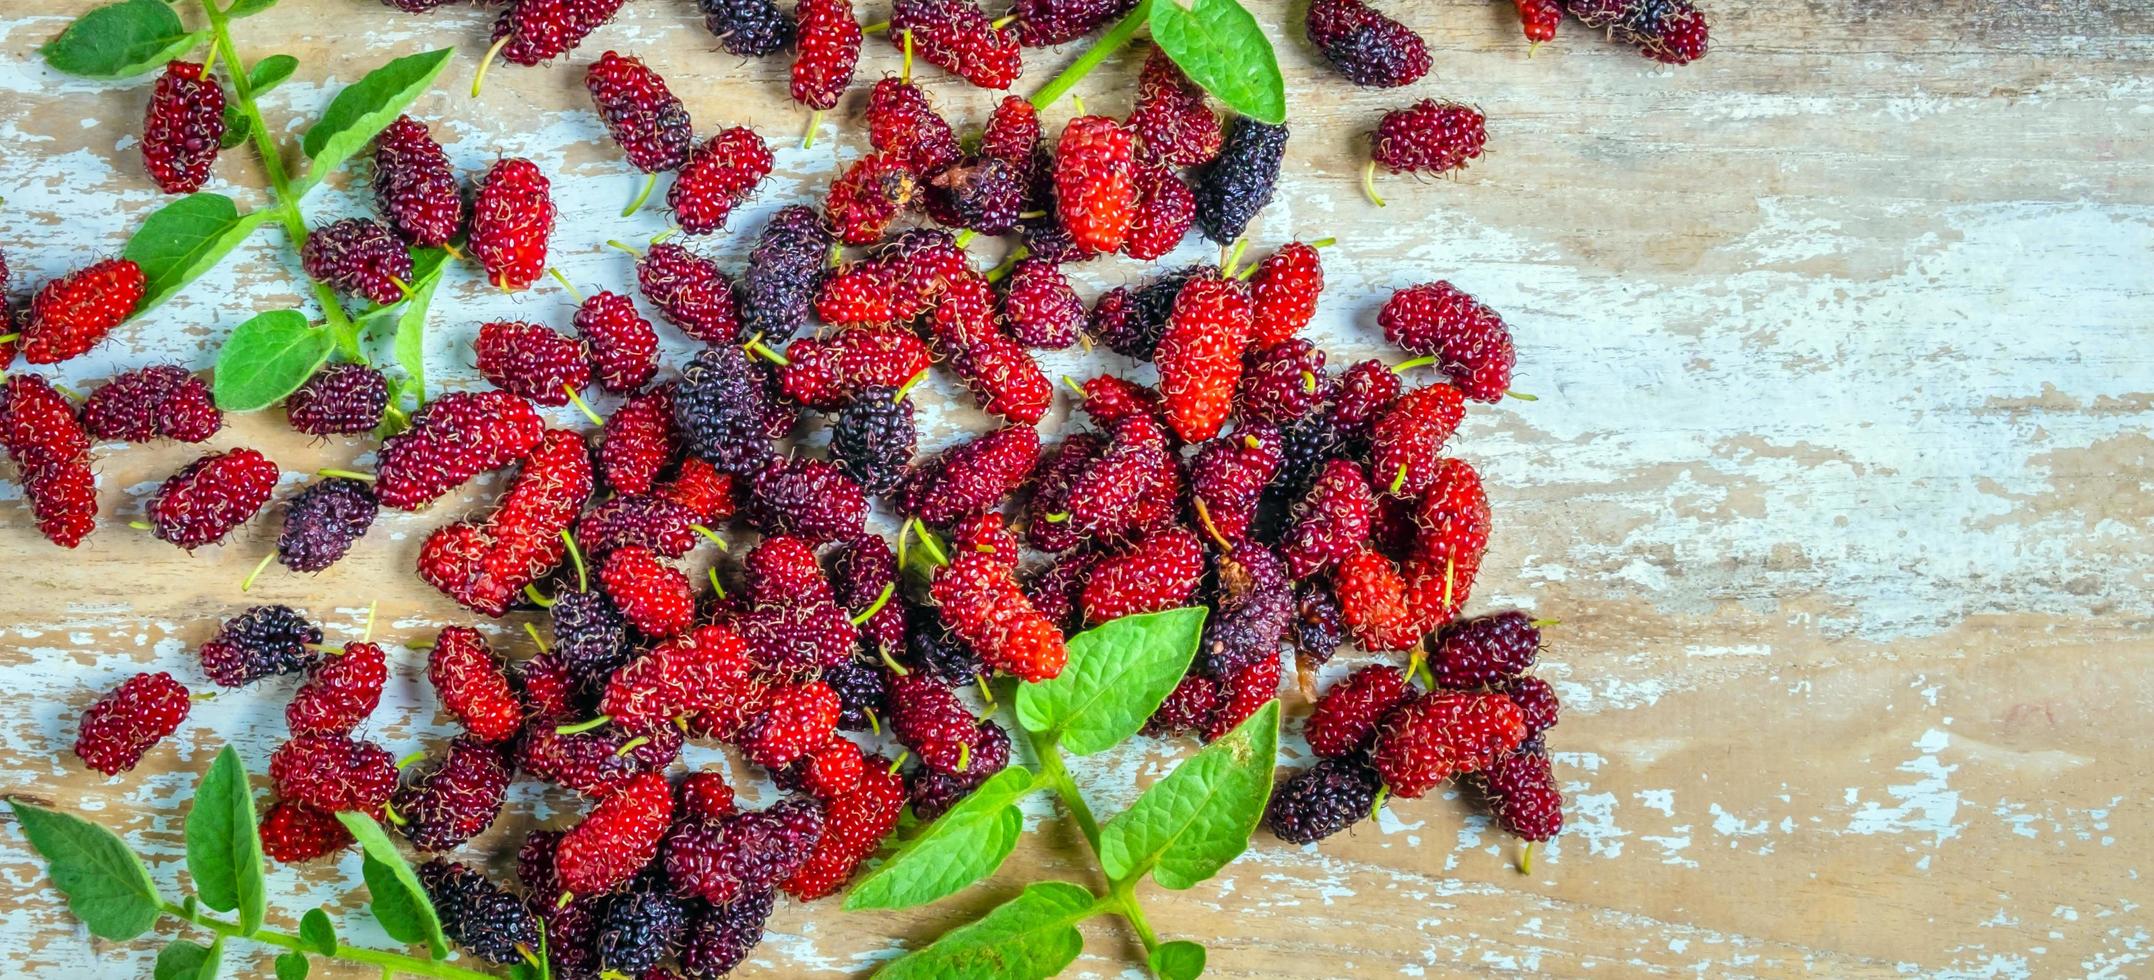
<point>1839,482</point>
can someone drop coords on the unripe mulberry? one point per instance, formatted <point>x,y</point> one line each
<point>292,832</point>
<point>854,826</point>
<point>341,692</point>
<point>1284,291</point>
<point>1347,716</point>
<point>340,399</point>
<point>654,596</point>
<point>360,257</point>
<point>971,477</point>
<point>829,47</point>
<point>1283,382</point>
<point>956,36</point>
<point>1171,117</point>
<point>414,185</point>
<point>617,838</point>
<point>532,31</point>
<point>1095,187</point>
<point>1330,521</point>
<point>1200,355</point>
<point>333,772</point>
<point>1428,137</point>
<point>163,402</point>
<point>511,220</point>
<point>1469,341</point>
<point>128,720</point>
<point>183,127</point>
<point>451,440</point>
<point>986,609</point>
<point>1157,573</point>
<point>638,442</point>
<point>720,175</point>
<point>72,313</point>
<point>642,114</point>
<point>1408,439</point>
<point>828,373</point>
<point>210,497</point>
<point>902,121</point>
<point>1239,182</point>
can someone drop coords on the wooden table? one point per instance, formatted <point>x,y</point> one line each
<point>1839,482</point>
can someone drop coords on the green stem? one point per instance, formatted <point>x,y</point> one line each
<point>1049,750</point>
<point>1116,38</point>
<point>388,961</point>
<point>287,207</point>
<point>1126,905</point>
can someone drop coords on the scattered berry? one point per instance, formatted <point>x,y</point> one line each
<point>183,127</point>
<point>654,596</point>
<point>260,642</point>
<point>1166,208</point>
<point>1283,382</point>
<point>617,838</point>
<point>340,399</point>
<point>747,28</point>
<point>1668,31</point>
<point>1157,573</point>
<point>1367,47</point>
<point>1253,609</point>
<point>638,442</point>
<point>1041,23</point>
<point>451,440</point>
<point>1177,127</point>
<point>854,826</point>
<point>721,174</point>
<point>1095,190</point>
<point>719,409</point>
<point>358,256</point>
<point>644,116</point>
<point>128,720</point>
<point>829,47</point>
<point>1536,702</point>
<point>1322,800</point>
<point>722,935</point>
<point>971,477</point>
<point>1472,652</point>
<point>784,269</point>
<point>340,693</point>
<point>414,185</point>
<point>1347,716</point>
<point>1427,740</point>
<point>873,439</point>
<point>488,921</point>
<point>1042,310</point>
<point>690,292</point>
<point>1372,600</point>
<point>333,772</point>
<point>1539,19</point>
<point>812,498</point>
<point>454,801</point>
<point>1408,439</point>
<point>794,720</point>
<point>1520,790</point>
<point>72,313</point>
<point>1330,522</point>
<point>869,196</point>
<point>513,216</point>
<point>532,31</point>
<point>641,928</point>
<point>472,684</point>
<point>1470,342</point>
<point>988,611</point>
<point>1428,137</point>
<point>532,361</point>
<point>1200,355</point>
<point>1284,290</point>
<point>164,402</point>
<point>957,37</point>
<point>1239,182</point>
<point>209,497</point>
<point>621,345</point>
<point>1013,131</point>
<point>902,121</point>
<point>293,832</point>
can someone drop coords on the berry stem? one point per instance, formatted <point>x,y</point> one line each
<point>248,582</point>
<point>582,726</point>
<point>815,119</point>
<point>907,387</point>
<point>478,78</point>
<point>927,541</point>
<point>891,665</point>
<point>1404,366</point>
<point>1116,38</point>
<point>649,182</point>
<point>378,957</point>
<point>1522,396</point>
<point>1525,859</point>
<point>715,586</point>
<point>1233,259</point>
<point>1541,624</point>
<point>1323,243</point>
<point>531,592</point>
<point>347,475</point>
<point>575,554</point>
<point>1368,184</point>
<point>625,247</point>
<point>881,600</point>
<point>536,640</point>
<point>582,405</point>
<point>565,284</point>
<point>1016,255</point>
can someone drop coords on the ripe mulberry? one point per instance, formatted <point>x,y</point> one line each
<point>1428,137</point>
<point>532,31</point>
<point>873,439</point>
<point>1171,117</point>
<point>747,28</point>
<point>719,408</point>
<point>784,270</point>
<point>641,927</point>
<point>414,185</point>
<point>1468,340</point>
<point>1473,652</point>
<point>258,643</point>
<point>358,256</point>
<point>1321,801</point>
<point>690,292</point>
<point>1520,790</point>
<point>333,772</point>
<point>622,346</point>
<point>1366,46</point>
<point>456,800</point>
<point>1042,310</point>
<point>183,127</point>
<point>532,361</point>
<point>956,36</point>
<point>164,402</point>
<point>722,935</point>
<point>485,919</point>
<point>1047,22</point>
<point>642,114</point>
<point>720,175</point>
<point>808,497</point>
<point>451,440</point>
<point>340,399</point>
<point>473,685</point>
<point>829,47</point>
<point>128,720</point>
<point>292,832</point>
<point>1432,738</point>
<point>971,477</point>
<point>210,497</point>
<point>1239,182</point>
<point>1668,31</point>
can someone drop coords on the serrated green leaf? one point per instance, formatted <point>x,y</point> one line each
<point>224,849</point>
<point>183,960</point>
<point>1117,675</point>
<point>121,40</point>
<point>317,932</point>
<point>1028,937</point>
<point>962,846</point>
<point>267,358</point>
<point>292,966</point>
<point>248,8</point>
<point>1220,46</point>
<point>1198,819</point>
<point>1177,960</point>
<point>270,72</point>
<point>106,885</point>
<point>183,240</point>
<point>398,901</point>
<point>365,107</point>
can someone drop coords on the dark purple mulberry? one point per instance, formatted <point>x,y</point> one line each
<point>720,407</point>
<point>340,399</point>
<point>162,402</point>
<point>644,116</point>
<point>262,641</point>
<point>785,269</point>
<point>723,934</point>
<point>1473,652</point>
<point>863,689</point>
<point>1240,182</point>
<point>358,256</point>
<point>323,521</point>
<point>641,927</point>
<point>1322,800</point>
<point>873,438</point>
<point>808,497</point>
<point>487,920</point>
<point>414,185</point>
<point>747,28</point>
<point>454,801</point>
<point>1131,321</point>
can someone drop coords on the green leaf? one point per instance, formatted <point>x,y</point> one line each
<point>1220,47</point>
<point>292,966</point>
<point>1117,675</point>
<point>184,239</point>
<point>106,885</point>
<point>1192,823</point>
<point>248,8</point>
<point>224,850</point>
<point>399,903</point>
<point>410,345</point>
<point>267,358</point>
<point>316,932</point>
<point>270,72</point>
<point>121,40</point>
<point>962,846</point>
<point>183,960</point>
<point>1028,937</point>
<point>236,127</point>
<point>1177,960</point>
<point>365,107</point>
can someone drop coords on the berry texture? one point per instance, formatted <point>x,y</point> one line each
<point>1473,652</point>
<point>1427,740</point>
<point>1428,137</point>
<point>1539,19</point>
<point>358,256</point>
<point>1321,801</point>
<point>808,497</point>
<point>512,219</point>
<point>261,642</point>
<point>1095,188</point>
<point>1045,22</point>
<point>1013,131</point>
<point>971,477</point>
<point>933,723</point>
<point>1330,521</point>
<point>1040,307</point>
<point>414,185</point>
<point>333,772</point>
<point>638,441</point>
<point>655,597</point>
<point>641,928</point>
<point>985,195</point>
<point>901,120</point>
<point>1372,600</point>
<point>182,129</point>
<point>1200,355</point>
<point>1171,118</point>
<point>1520,790</point>
<point>72,313</point>
<point>957,37</point>
<point>1408,439</point>
<point>1003,377</point>
<point>1241,694</point>
<point>988,611</point>
<point>340,693</point>
<point>1669,31</point>
<point>690,291</point>
<point>1469,341</point>
<point>453,801</point>
<point>1228,476</point>
<point>1536,701</point>
<point>719,408</point>
<point>617,838</point>
<point>1155,574</point>
<point>717,178</point>
<point>854,826</point>
<point>873,438</point>
<point>747,28</point>
<point>472,684</point>
<point>827,374</point>
<point>209,497</point>
<point>828,46</point>
<point>324,522</point>
<point>532,361</point>
<point>722,935</point>
<point>794,720</point>
<point>871,194</point>
<point>164,402</point>
<point>534,31</point>
<point>451,440</point>
<point>1166,208</point>
<point>128,720</point>
<point>641,113</point>
<point>340,399</point>
<point>622,346</point>
<point>485,919</point>
<point>1369,48</point>
<point>1047,512</point>
<point>1255,605</point>
<point>1285,290</point>
<point>1283,382</point>
<point>784,270</point>
<point>485,565</point>
<point>1347,716</point>
<point>1239,182</point>
<point>1131,322</point>
<point>292,832</point>
<point>643,521</point>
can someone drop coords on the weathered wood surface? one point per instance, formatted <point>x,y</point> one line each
<point>1839,481</point>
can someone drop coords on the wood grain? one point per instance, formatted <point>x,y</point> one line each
<point>1839,482</point>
